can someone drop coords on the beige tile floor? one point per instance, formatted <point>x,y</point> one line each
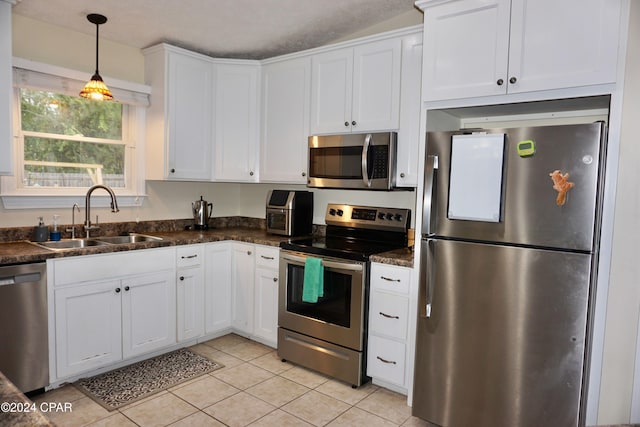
<point>254,388</point>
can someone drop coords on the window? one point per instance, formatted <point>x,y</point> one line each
<point>71,141</point>
<point>64,144</point>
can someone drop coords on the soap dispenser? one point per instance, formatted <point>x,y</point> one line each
<point>41,231</point>
<point>55,233</point>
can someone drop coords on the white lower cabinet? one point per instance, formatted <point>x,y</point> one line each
<point>388,325</point>
<point>242,277</point>
<point>110,307</point>
<point>190,291</point>
<point>266,295</point>
<point>218,286</point>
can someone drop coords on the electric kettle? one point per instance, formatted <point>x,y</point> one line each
<point>201,213</point>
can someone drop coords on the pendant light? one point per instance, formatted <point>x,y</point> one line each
<point>95,88</point>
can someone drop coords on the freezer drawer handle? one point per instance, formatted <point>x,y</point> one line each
<point>388,316</point>
<point>391,362</point>
<point>388,279</point>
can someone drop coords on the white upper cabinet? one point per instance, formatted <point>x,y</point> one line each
<point>6,133</point>
<point>237,122</point>
<point>356,89</point>
<point>492,47</point>
<point>179,119</point>
<point>286,93</point>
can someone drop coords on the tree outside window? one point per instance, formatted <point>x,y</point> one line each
<point>71,141</point>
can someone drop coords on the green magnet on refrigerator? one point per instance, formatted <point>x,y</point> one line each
<point>526,148</point>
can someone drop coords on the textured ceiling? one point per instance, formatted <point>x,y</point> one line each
<point>252,29</point>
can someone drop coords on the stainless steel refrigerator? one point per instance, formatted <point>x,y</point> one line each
<point>509,252</point>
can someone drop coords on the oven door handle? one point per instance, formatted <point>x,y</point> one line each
<point>326,263</point>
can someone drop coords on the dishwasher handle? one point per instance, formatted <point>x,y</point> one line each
<point>20,278</point>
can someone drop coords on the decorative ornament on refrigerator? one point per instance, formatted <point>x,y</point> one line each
<point>562,185</point>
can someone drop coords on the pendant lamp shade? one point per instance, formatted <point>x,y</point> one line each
<point>95,88</point>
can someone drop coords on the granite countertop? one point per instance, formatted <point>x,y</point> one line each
<point>20,250</point>
<point>17,409</point>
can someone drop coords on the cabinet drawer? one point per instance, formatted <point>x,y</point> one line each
<point>386,360</point>
<point>388,314</point>
<point>390,278</point>
<point>189,255</point>
<point>267,257</point>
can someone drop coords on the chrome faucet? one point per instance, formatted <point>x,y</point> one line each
<point>87,207</point>
<point>73,220</point>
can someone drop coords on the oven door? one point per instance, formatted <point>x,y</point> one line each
<point>338,316</point>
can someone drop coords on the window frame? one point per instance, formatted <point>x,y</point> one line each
<point>135,99</point>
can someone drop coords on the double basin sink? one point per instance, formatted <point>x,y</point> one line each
<point>66,244</point>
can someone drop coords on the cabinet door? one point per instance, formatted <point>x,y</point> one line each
<point>266,294</point>
<point>218,287</point>
<point>562,44</point>
<point>148,312</point>
<point>286,93</point>
<point>190,302</point>
<point>6,131</point>
<point>243,279</point>
<point>88,327</point>
<point>410,107</point>
<point>189,110</point>
<point>266,305</point>
<point>331,90</point>
<point>465,49</point>
<point>236,122</point>
<point>376,86</point>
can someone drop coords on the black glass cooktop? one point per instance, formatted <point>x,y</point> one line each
<point>340,247</point>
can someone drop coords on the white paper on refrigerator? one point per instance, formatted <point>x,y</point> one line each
<point>475,183</point>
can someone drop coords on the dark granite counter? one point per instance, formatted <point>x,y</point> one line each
<point>17,409</point>
<point>15,247</point>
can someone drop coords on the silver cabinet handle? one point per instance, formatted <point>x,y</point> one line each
<point>388,316</point>
<point>391,362</point>
<point>388,279</point>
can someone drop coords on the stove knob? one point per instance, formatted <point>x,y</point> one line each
<point>398,217</point>
<point>381,215</point>
<point>332,212</point>
<point>340,212</point>
<point>389,216</point>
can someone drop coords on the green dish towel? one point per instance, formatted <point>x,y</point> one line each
<point>313,285</point>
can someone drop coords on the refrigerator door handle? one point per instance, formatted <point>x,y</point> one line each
<point>429,186</point>
<point>365,159</point>
<point>427,274</point>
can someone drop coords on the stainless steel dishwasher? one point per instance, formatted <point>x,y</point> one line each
<point>24,358</point>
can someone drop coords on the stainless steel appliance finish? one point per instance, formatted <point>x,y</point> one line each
<point>353,161</point>
<point>326,336</point>
<point>503,332</point>
<point>202,211</point>
<point>289,213</point>
<point>24,358</point>
<point>330,335</point>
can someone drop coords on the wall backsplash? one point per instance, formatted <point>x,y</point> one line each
<point>171,200</point>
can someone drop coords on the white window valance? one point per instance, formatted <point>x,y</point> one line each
<point>35,75</point>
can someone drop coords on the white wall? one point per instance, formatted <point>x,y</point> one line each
<point>623,304</point>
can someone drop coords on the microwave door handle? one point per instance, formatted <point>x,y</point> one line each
<point>365,155</point>
<point>429,188</point>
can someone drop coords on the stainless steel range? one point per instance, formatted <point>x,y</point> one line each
<point>324,291</point>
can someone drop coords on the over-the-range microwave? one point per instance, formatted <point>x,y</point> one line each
<point>364,161</point>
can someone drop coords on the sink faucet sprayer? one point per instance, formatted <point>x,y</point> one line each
<point>87,207</point>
